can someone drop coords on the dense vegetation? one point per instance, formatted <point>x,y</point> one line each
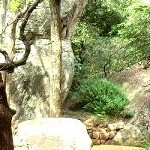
<point>111,36</point>
<point>100,96</point>
<point>121,36</point>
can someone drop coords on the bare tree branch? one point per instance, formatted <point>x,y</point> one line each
<point>15,22</point>
<point>26,14</point>
<point>5,54</point>
<point>23,36</point>
<point>5,28</point>
<point>69,21</point>
<point>26,17</point>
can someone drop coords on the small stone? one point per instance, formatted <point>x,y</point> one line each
<point>105,124</point>
<point>118,139</point>
<point>100,129</point>
<point>96,141</point>
<point>90,135</point>
<point>112,134</point>
<point>111,127</point>
<point>108,142</point>
<point>116,126</point>
<point>103,142</point>
<point>119,125</point>
<point>103,135</point>
<point>94,129</point>
<point>100,126</point>
<point>89,125</point>
<point>89,121</point>
<point>96,135</point>
<point>89,130</point>
<point>107,129</point>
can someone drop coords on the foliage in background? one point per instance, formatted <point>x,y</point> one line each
<point>101,16</point>
<point>146,145</point>
<point>136,29</point>
<point>111,36</point>
<point>16,5</point>
<point>92,43</point>
<point>100,96</point>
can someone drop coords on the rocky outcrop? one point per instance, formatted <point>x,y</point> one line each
<point>38,27</point>
<point>136,81</point>
<point>52,134</point>
<point>129,135</point>
<point>38,104</point>
<point>113,133</point>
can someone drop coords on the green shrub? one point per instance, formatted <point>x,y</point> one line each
<point>100,96</point>
<point>146,145</point>
<point>127,114</point>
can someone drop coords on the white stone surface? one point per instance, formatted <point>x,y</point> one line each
<point>52,134</point>
<point>2,58</point>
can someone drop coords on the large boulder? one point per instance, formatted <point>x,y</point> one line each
<point>52,134</point>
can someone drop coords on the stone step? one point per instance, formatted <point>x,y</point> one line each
<point>116,147</point>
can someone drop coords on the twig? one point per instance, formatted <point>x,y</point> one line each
<point>26,14</point>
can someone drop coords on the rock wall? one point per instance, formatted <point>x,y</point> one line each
<point>37,103</point>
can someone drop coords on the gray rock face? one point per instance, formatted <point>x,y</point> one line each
<point>142,121</point>
<point>40,104</point>
<point>52,134</point>
<point>136,81</point>
<point>129,135</point>
<point>118,133</point>
<point>37,72</point>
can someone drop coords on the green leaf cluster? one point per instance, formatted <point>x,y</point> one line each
<point>111,33</point>
<point>16,5</point>
<point>100,96</point>
<point>136,29</point>
<point>100,16</point>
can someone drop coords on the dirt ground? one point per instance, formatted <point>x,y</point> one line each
<point>114,147</point>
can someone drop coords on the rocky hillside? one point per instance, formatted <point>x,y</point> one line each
<point>135,130</point>
<point>136,81</point>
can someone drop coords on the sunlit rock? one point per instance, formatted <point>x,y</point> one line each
<point>52,134</point>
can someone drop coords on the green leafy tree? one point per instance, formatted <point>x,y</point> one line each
<point>136,30</point>
<point>112,36</point>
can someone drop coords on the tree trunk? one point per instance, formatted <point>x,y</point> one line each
<point>55,60</point>
<point>67,68</point>
<point>6,141</point>
<point>3,9</point>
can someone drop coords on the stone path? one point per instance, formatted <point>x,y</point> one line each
<point>114,147</point>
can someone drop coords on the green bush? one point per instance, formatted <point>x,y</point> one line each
<point>100,96</point>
